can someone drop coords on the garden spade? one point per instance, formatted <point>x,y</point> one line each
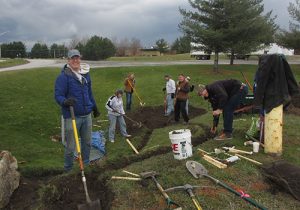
<point>198,170</point>
<point>90,205</point>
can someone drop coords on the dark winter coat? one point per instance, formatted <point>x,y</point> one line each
<point>221,91</point>
<point>67,85</point>
<point>275,82</point>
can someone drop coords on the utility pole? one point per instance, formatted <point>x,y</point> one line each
<point>0,43</point>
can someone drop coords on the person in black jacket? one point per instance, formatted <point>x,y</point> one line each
<point>224,96</point>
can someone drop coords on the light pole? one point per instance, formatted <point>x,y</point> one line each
<point>0,43</point>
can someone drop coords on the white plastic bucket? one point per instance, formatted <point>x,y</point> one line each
<point>181,143</point>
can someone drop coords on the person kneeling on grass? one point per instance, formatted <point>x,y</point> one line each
<point>115,109</point>
<point>224,96</point>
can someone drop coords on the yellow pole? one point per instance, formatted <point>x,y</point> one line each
<point>273,131</point>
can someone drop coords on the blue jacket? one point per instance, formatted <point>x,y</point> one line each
<point>67,85</point>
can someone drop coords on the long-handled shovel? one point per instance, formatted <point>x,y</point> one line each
<point>198,170</point>
<point>134,90</point>
<point>90,205</point>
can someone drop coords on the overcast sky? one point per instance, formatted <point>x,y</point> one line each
<point>59,21</point>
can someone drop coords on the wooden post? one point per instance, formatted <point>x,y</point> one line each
<point>273,131</point>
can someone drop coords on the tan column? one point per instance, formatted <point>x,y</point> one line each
<point>273,131</point>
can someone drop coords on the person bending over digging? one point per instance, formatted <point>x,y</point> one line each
<point>129,84</point>
<point>224,96</point>
<point>72,88</point>
<point>115,109</point>
<point>182,94</point>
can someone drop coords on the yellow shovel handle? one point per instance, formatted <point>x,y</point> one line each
<point>76,137</point>
<point>134,90</point>
<point>196,203</point>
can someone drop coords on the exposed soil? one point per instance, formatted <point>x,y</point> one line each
<point>64,192</point>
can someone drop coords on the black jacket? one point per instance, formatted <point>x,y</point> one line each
<point>220,92</point>
<point>275,82</point>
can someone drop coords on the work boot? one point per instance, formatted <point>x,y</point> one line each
<point>223,136</point>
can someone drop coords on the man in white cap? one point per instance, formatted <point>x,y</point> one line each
<point>170,95</point>
<point>74,89</point>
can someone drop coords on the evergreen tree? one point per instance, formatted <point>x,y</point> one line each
<point>162,45</point>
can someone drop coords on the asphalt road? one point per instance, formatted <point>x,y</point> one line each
<point>38,63</point>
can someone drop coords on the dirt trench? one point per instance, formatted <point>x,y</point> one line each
<point>64,192</point>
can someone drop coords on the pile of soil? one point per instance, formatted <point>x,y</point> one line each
<point>64,192</point>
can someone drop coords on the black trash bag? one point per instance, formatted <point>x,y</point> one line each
<point>283,176</point>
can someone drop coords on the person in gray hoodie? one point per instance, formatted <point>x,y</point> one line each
<point>116,111</point>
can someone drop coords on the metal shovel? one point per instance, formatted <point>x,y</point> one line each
<point>90,205</point>
<point>198,170</point>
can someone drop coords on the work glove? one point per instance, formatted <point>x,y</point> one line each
<point>164,89</point>
<point>96,112</point>
<point>172,95</point>
<point>69,102</point>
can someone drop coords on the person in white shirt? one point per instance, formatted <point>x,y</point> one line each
<point>170,95</point>
<point>116,111</point>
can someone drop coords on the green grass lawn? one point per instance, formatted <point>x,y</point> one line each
<point>12,62</point>
<point>29,117</point>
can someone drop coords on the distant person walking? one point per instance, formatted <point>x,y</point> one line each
<point>73,88</point>
<point>170,95</point>
<point>224,96</point>
<point>182,91</point>
<point>116,111</point>
<point>129,84</point>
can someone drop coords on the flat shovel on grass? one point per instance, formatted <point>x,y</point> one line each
<point>198,171</point>
<point>90,205</point>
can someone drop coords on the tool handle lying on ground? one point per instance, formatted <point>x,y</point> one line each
<point>249,159</point>
<point>133,174</point>
<point>94,205</point>
<point>236,193</point>
<point>211,160</point>
<point>126,178</point>
<point>169,201</point>
<point>233,150</point>
<point>132,147</point>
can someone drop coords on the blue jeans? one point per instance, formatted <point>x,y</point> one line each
<point>112,126</point>
<point>128,100</point>
<point>170,104</point>
<point>84,129</point>
<point>187,106</point>
<point>229,108</point>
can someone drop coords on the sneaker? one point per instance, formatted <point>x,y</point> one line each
<point>112,140</point>
<point>223,136</point>
<point>127,136</point>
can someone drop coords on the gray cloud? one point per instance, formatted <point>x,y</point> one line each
<point>59,20</point>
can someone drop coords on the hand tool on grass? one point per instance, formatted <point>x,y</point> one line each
<point>132,147</point>
<point>90,205</point>
<point>236,151</point>
<point>219,151</point>
<point>198,170</point>
<point>151,174</point>
<point>135,123</point>
<point>137,95</point>
<point>212,160</point>
<point>189,189</point>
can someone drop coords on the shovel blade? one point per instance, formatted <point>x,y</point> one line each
<point>196,169</point>
<point>93,205</point>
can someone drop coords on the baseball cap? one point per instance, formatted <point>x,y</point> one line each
<point>73,53</point>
